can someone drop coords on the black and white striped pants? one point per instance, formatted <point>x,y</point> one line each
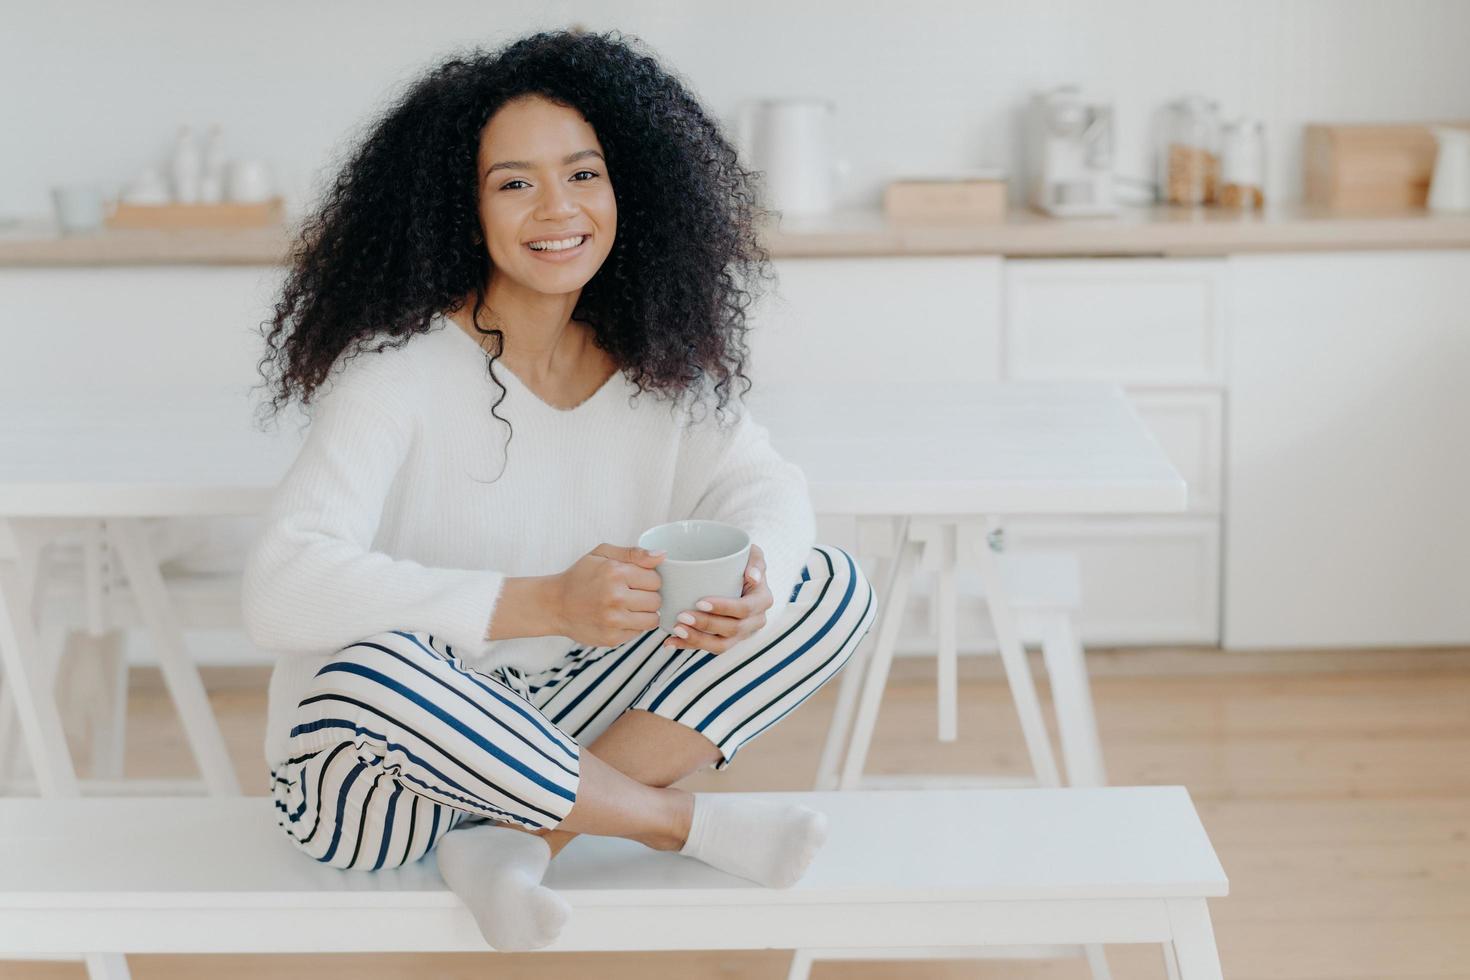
<point>398,741</point>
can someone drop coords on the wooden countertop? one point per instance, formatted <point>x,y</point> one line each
<point>1154,230</point>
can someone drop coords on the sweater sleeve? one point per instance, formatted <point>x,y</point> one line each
<point>732,473</point>
<point>312,582</point>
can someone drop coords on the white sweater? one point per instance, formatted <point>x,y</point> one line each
<point>387,519</point>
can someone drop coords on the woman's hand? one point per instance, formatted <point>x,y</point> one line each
<point>725,622</point>
<point>609,596</point>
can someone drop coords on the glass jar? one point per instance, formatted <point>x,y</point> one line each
<point>1243,165</point>
<point>1189,153</point>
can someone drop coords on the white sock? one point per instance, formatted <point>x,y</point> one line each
<point>496,872</point>
<point>769,843</point>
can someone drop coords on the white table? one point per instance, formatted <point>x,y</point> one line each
<point>189,454</point>
<point>964,457</point>
<point>957,454</point>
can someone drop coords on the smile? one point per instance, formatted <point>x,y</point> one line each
<point>560,255</point>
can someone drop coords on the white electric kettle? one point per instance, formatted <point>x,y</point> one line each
<point>791,141</point>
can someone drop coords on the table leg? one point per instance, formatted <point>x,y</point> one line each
<point>890,620</point>
<point>1194,939</point>
<point>25,675</point>
<point>1013,657</point>
<point>107,966</point>
<point>130,540</point>
<point>839,730</point>
<point>1071,696</point>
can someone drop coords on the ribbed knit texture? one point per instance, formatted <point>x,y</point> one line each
<point>380,524</point>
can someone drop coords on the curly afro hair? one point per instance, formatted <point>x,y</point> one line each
<point>396,239</point>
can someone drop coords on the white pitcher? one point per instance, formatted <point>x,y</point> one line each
<point>791,141</point>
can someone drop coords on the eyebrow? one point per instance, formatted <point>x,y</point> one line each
<point>527,164</point>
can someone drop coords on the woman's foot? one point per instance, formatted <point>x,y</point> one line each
<point>496,871</point>
<point>769,843</point>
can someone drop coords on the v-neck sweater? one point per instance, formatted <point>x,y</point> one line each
<point>409,504</point>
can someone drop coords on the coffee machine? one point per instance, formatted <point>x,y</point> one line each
<point>1070,154</point>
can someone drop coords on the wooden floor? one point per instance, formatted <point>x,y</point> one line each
<point>1339,804</point>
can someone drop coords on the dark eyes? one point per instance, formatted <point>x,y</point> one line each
<point>578,173</point>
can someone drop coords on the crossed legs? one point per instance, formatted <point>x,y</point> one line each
<point>625,775</point>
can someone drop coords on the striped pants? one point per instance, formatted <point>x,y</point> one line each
<point>398,741</point>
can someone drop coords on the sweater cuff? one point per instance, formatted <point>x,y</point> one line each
<point>462,612</point>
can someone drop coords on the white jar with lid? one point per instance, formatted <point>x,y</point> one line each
<point>1189,151</point>
<point>1243,165</point>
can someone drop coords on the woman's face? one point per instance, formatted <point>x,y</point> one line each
<point>542,176</point>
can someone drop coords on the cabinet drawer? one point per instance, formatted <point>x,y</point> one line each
<point>859,322</point>
<point>1190,426</point>
<point>1133,321</point>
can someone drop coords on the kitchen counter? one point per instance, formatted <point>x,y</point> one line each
<point>1153,230</point>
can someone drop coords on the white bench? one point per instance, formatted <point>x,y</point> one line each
<point>956,870</point>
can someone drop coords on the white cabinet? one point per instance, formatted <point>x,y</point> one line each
<point>100,336</point>
<point>1348,495</point>
<point>1158,327</point>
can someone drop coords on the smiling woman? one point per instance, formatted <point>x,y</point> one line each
<point>486,657</point>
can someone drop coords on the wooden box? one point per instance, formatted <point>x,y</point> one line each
<point>224,215</point>
<point>1369,167</point>
<point>976,196</point>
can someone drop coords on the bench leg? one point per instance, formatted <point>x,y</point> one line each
<point>1194,939</point>
<point>117,735</point>
<point>107,701</point>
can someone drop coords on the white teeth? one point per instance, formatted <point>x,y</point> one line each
<point>557,246</point>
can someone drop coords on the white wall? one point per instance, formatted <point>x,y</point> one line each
<point>94,90</point>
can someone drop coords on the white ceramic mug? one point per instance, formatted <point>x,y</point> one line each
<point>705,558</point>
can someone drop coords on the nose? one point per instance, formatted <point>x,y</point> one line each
<point>555,203</point>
